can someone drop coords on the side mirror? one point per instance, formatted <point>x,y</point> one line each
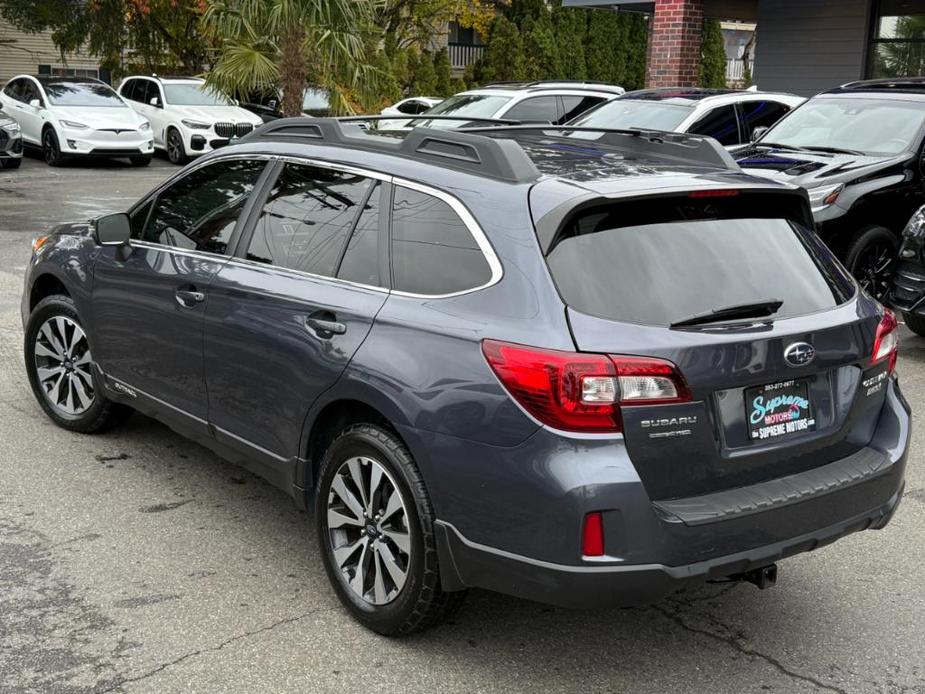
<point>155,102</point>
<point>113,230</point>
<point>35,103</point>
<point>758,132</point>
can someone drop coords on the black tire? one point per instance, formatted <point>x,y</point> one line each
<point>915,323</point>
<point>871,258</point>
<point>142,160</point>
<point>10,163</point>
<point>51,149</point>
<point>102,413</point>
<point>421,603</point>
<point>176,150</point>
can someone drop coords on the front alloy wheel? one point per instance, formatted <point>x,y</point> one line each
<point>368,530</point>
<point>51,151</point>
<point>874,269</point>
<point>176,152</point>
<point>62,364</point>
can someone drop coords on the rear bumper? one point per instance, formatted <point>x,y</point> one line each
<point>519,530</point>
<point>586,587</point>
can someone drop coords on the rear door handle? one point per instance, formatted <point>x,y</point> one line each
<point>325,325</point>
<point>187,298</point>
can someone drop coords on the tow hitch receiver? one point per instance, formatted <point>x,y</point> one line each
<point>765,577</point>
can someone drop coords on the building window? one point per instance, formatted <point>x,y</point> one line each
<point>60,71</point>
<point>898,42</point>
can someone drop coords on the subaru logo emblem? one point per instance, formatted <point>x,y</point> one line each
<point>799,354</point>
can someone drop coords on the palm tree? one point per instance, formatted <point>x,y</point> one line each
<point>292,44</point>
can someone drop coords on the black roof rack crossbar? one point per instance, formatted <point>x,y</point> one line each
<point>683,148</point>
<point>504,160</point>
<point>423,117</point>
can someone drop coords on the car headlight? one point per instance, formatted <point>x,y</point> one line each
<point>144,127</point>
<point>195,124</point>
<point>823,196</point>
<point>10,126</point>
<point>73,124</point>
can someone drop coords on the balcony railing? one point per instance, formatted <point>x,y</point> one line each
<point>735,71</point>
<point>464,54</point>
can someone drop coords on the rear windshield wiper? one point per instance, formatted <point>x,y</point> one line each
<point>834,150</point>
<point>757,310</point>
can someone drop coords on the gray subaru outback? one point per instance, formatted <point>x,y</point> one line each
<point>584,367</point>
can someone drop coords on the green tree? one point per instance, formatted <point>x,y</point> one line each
<point>541,48</point>
<point>161,34</point>
<point>389,90</point>
<point>570,27</point>
<point>636,30</point>
<point>606,47</point>
<point>444,73</point>
<point>712,55</point>
<point>295,44</point>
<point>504,57</point>
<point>423,76</point>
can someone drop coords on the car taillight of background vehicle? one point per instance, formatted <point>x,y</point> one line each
<point>886,343</point>
<point>580,392</point>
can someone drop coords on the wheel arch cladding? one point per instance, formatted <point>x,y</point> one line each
<point>45,285</point>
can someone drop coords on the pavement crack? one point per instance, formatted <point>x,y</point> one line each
<point>735,643</point>
<point>201,651</point>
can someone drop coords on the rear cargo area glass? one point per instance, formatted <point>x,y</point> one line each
<point>661,273</point>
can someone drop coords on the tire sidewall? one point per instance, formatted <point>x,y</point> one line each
<point>47,308</point>
<point>381,618</point>
<point>58,158</point>
<point>180,159</point>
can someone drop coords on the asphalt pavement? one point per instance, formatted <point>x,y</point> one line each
<point>137,561</point>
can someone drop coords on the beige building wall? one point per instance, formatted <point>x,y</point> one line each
<point>28,51</point>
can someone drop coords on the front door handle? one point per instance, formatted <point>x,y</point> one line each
<point>325,325</point>
<point>188,298</point>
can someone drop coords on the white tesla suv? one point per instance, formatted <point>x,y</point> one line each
<point>75,116</point>
<point>188,119</point>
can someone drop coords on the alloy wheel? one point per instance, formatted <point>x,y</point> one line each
<point>368,530</point>
<point>62,364</point>
<point>874,269</point>
<point>174,147</point>
<point>50,147</point>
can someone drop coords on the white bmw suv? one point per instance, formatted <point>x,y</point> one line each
<point>75,116</point>
<point>188,119</point>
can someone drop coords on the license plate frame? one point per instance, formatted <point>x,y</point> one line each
<point>779,410</point>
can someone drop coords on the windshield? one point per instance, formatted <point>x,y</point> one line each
<point>315,100</point>
<point>871,126</point>
<point>472,105</point>
<point>192,94</point>
<point>622,114</point>
<point>82,94</point>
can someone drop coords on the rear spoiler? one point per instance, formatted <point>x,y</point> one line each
<point>760,202</point>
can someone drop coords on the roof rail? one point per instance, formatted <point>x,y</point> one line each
<point>657,144</point>
<point>504,160</point>
<point>555,84</point>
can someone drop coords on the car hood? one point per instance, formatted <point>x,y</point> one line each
<point>100,118</point>
<point>811,169</point>
<point>216,114</point>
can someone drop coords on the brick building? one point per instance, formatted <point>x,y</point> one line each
<point>804,46</point>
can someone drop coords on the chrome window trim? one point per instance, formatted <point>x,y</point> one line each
<point>488,251</point>
<point>176,250</point>
<point>244,262</point>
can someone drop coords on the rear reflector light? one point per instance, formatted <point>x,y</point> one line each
<point>575,391</point>
<point>728,193</point>
<point>886,343</point>
<point>592,536</point>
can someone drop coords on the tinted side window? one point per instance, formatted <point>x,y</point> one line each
<point>720,123</point>
<point>361,259</point>
<point>127,89</point>
<point>759,114</point>
<point>30,92</point>
<point>576,105</point>
<point>433,251</point>
<point>306,219</point>
<point>199,211</point>
<point>14,90</point>
<point>537,108</point>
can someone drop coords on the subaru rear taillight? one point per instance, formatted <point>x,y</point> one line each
<point>886,342</point>
<point>575,391</point>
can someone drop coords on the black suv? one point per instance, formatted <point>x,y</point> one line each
<point>858,150</point>
<point>585,371</point>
